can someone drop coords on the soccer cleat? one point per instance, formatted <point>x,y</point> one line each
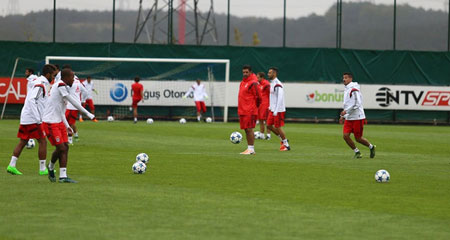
<point>45,172</point>
<point>80,120</point>
<point>372,151</point>
<point>95,120</point>
<point>248,152</point>
<point>67,180</point>
<point>357,155</point>
<point>13,170</point>
<point>51,175</point>
<point>285,148</point>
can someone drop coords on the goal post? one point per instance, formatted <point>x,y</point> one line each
<point>180,66</point>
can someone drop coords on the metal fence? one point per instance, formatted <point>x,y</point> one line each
<point>370,24</point>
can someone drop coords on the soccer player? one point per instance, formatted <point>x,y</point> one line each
<point>137,90</point>
<point>31,119</point>
<point>277,109</point>
<point>77,91</point>
<point>263,110</point>
<point>29,74</point>
<point>249,100</point>
<point>353,115</point>
<point>56,127</point>
<point>199,97</point>
<point>90,88</point>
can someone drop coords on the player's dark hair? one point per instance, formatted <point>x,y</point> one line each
<point>48,68</point>
<point>275,69</point>
<point>67,66</point>
<point>56,66</point>
<point>88,77</point>
<point>137,79</point>
<point>348,74</point>
<point>261,74</point>
<point>66,73</point>
<point>30,70</point>
<point>246,66</point>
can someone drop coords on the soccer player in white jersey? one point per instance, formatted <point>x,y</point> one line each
<point>31,121</point>
<point>354,116</point>
<point>89,85</point>
<point>56,127</point>
<point>29,74</point>
<point>77,91</point>
<point>199,97</point>
<point>277,108</point>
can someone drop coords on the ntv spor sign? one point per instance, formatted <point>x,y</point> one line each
<point>409,97</point>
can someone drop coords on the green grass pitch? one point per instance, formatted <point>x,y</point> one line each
<point>197,186</point>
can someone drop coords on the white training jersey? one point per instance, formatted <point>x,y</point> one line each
<point>353,102</point>
<point>77,91</point>
<point>89,87</point>
<point>276,97</point>
<point>56,105</point>
<point>58,76</point>
<point>199,92</point>
<point>43,80</point>
<point>31,81</point>
<point>33,109</point>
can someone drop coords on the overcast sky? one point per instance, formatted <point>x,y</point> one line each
<point>258,8</point>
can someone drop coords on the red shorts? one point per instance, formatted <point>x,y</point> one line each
<point>354,126</point>
<point>200,105</point>
<point>135,102</point>
<point>71,116</point>
<point>277,121</point>
<point>263,112</point>
<point>247,121</point>
<point>90,103</point>
<point>56,133</point>
<point>31,131</point>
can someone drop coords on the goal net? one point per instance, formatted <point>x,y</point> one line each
<point>165,81</point>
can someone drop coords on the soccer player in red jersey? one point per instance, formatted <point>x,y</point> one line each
<point>263,110</point>
<point>137,90</point>
<point>56,126</point>
<point>249,100</point>
<point>31,119</point>
<point>354,116</point>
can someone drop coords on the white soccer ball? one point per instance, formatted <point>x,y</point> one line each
<point>110,118</point>
<point>30,144</point>
<point>142,157</point>
<point>382,176</point>
<point>139,167</point>
<point>208,120</point>
<point>236,137</point>
<point>182,121</point>
<point>149,120</point>
<point>256,134</point>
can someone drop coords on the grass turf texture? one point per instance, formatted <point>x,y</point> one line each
<point>197,186</point>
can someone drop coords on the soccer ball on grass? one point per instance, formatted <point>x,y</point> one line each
<point>30,144</point>
<point>110,118</point>
<point>139,167</point>
<point>182,121</point>
<point>149,120</point>
<point>208,120</point>
<point>236,137</point>
<point>142,157</point>
<point>382,176</point>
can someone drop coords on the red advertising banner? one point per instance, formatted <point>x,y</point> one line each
<point>17,90</point>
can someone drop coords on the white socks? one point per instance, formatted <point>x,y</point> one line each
<point>70,140</point>
<point>285,142</point>
<point>135,119</point>
<point>13,161</point>
<point>370,146</point>
<point>356,150</point>
<point>75,134</point>
<point>198,118</point>
<point>51,166</point>
<point>251,147</point>
<point>42,165</point>
<point>62,172</point>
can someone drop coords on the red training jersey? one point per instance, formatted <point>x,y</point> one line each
<point>264,88</point>
<point>137,88</point>
<point>249,96</point>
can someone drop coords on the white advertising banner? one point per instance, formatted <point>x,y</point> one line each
<point>298,95</point>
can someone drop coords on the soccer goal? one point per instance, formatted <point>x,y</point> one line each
<point>165,80</point>
<point>13,89</point>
